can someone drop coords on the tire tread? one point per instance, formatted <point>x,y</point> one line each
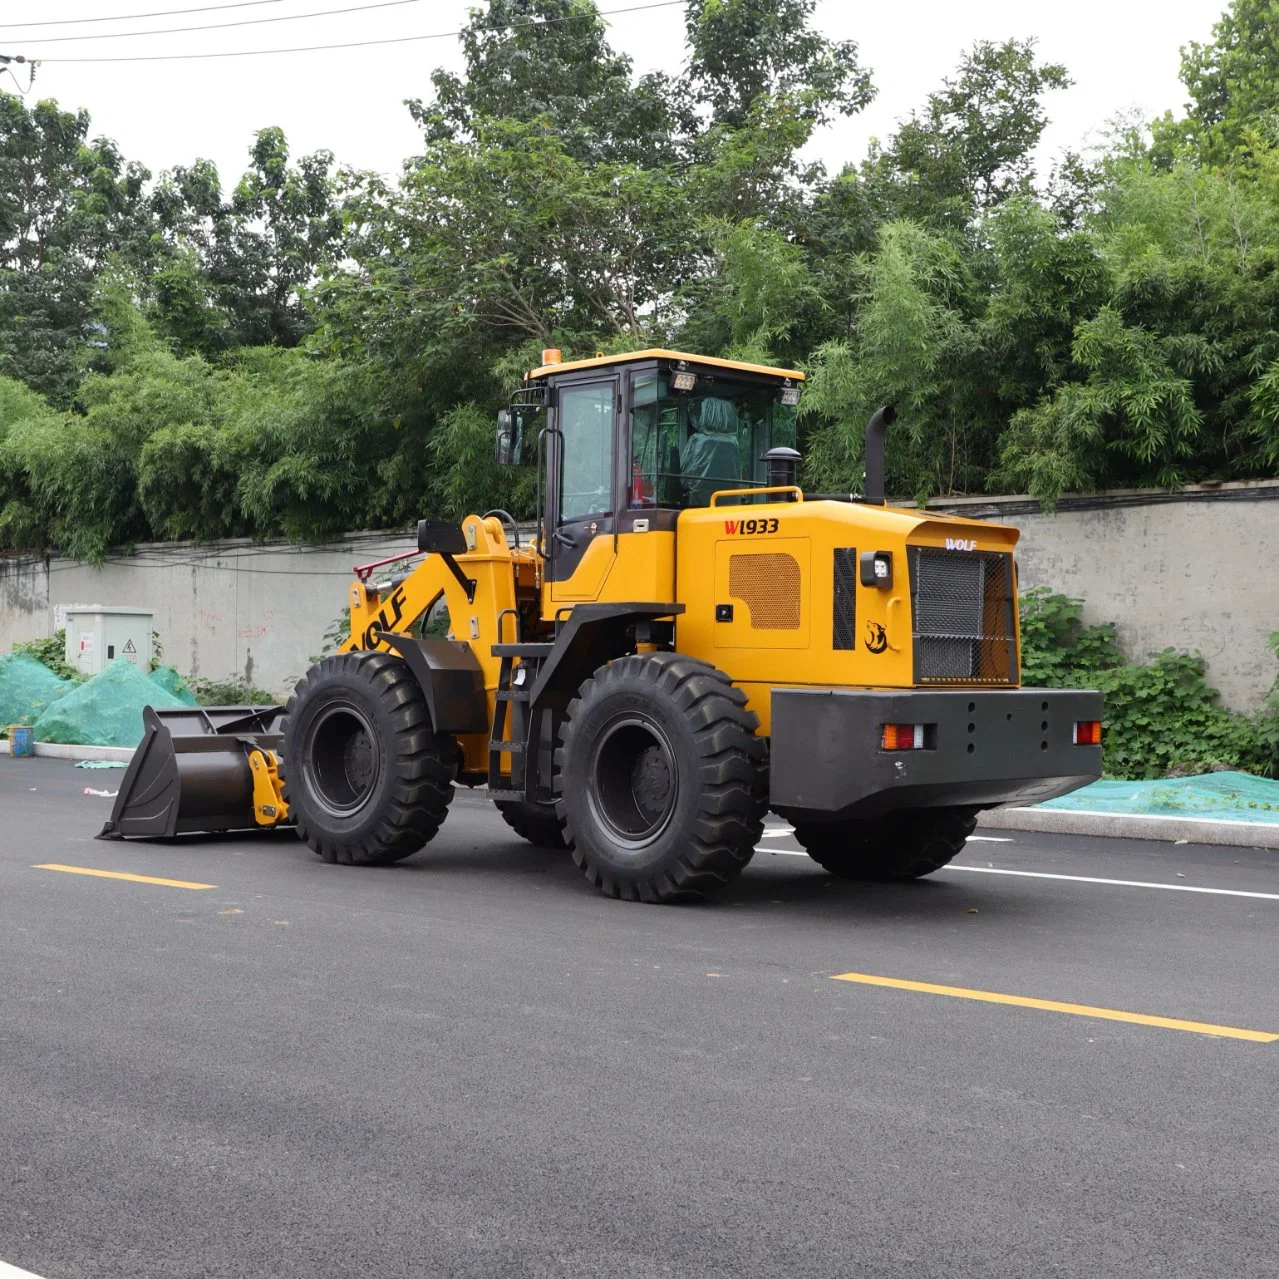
<point>422,761</point>
<point>731,768</point>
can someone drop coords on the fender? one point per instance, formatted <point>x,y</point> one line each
<point>451,679</point>
<point>592,635</point>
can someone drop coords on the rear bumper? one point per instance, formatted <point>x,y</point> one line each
<point>985,748</point>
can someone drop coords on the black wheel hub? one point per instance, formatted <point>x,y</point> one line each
<point>634,787</point>
<point>343,758</point>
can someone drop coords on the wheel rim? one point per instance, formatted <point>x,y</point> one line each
<point>343,759</point>
<point>635,785</point>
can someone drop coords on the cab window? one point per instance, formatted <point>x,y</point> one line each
<point>687,445</point>
<point>586,469</point>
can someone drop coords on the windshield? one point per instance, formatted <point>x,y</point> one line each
<point>686,445</point>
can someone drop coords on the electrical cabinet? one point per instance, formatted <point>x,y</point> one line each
<point>98,635</point>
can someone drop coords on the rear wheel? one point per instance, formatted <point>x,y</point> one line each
<point>902,845</point>
<point>660,780</point>
<point>538,823</point>
<point>367,779</point>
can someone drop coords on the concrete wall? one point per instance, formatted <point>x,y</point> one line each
<point>234,608</point>
<point>1194,569</point>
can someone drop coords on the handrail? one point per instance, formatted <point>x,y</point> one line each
<point>796,492</point>
<point>515,613</point>
<point>363,571</point>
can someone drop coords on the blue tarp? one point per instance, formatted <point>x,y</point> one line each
<point>1236,797</point>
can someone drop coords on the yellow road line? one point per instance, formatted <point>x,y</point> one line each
<point>119,874</point>
<point>1054,1006</point>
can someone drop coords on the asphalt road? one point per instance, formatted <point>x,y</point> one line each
<point>473,1065</point>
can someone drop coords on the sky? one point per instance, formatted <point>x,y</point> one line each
<point>1122,54</point>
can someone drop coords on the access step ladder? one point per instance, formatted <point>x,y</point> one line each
<point>515,727</point>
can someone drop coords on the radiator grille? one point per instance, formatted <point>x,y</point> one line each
<point>769,583</point>
<point>962,606</point>
<point>845,628</point>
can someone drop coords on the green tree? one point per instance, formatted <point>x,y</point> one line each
<point>912,346</point>
<point>549,60</point>
<point>233,272</point>
<point>972,146</point>
<point>745,52</point>
<point>65,204</point>
<point>1233,82</point>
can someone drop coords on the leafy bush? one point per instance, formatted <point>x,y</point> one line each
<point>1162,718</point>
<point>228,692</point>
<point>50,652</point>
<point>335,635</point>
<point>1268,722</point>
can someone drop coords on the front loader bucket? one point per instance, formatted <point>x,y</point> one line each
<point>191,771</point>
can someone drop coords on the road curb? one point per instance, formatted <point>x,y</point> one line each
<point>56,750</point>
<point>1194,830</point>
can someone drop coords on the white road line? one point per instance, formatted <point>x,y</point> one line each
<point>1070,879</point>
<point>12,1272</point>
<point>1116,883</point>
<point>780,832</point>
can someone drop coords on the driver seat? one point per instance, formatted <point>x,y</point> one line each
<point>713,455</point>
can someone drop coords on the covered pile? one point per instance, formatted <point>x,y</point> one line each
<point>107,711</point>
<point>1238,797</point>
<point>27,689</point>
<point>173,683</point>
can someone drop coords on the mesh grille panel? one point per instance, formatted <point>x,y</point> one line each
<point>845,628</point>
<point>769,584</point>
<point>961,602</point>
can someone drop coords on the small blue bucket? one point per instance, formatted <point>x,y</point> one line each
<point>22,741</point>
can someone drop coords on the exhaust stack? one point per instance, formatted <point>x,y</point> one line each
<point>876,429</point>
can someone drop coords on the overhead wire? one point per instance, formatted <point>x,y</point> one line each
<point>365,44</point>
<point>222,26</point>
<point>126,17</point>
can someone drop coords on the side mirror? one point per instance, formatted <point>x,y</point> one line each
<point>506,443</point>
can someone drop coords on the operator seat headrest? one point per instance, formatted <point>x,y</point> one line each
<point>717,417</point>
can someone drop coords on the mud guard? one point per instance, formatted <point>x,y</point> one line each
<point>451,678</point>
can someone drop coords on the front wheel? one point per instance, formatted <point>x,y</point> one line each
<point>366,777</point>
<point>902,845</point>
<point>660,780</point>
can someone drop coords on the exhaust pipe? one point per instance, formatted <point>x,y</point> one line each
<point>876,429</point>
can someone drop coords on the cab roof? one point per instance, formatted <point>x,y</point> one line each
<point>660,353</point>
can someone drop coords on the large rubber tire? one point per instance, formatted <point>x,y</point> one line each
<point>538,824</point>
<point>366,778</point>
<point>660,780</point>
<point>903,845</point>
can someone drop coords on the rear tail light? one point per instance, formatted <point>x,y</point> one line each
<point>1087,732</point>
<point>903,737</point>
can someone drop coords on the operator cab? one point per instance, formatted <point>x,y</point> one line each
<point>623,443</point>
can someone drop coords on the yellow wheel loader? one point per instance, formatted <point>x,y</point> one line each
<point>688,641</point>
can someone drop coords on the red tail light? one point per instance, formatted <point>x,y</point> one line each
<point>902,737</point>
<point>1087,732</point>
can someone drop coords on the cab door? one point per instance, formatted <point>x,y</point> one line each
<point>580,546</point>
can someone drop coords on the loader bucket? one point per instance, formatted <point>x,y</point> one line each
<point>191,771</point>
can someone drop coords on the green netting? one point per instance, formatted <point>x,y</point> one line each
<point>107,711</point>
<point>169,680</point>
<point>27,689</point>
<point>1237,797</point>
